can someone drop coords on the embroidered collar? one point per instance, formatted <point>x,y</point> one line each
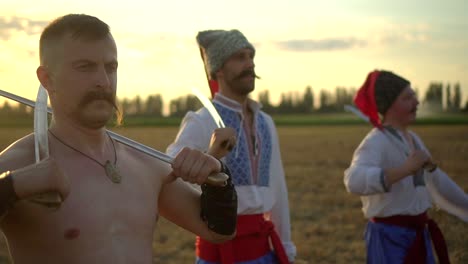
<point>234,105</point>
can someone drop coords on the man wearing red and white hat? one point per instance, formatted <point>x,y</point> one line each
<point>395,176</point>
<point>263,224</point>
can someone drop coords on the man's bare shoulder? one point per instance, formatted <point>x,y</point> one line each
<point>145,162</point>
<point>19,154</point>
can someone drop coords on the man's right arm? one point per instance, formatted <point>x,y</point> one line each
<point>11,158</point>
<point>22,178</point>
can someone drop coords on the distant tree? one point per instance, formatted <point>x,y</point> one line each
<point>286,103</point>
<point>174,107</point>
<point>125,106</point>
<point>326,101</point>
<point>264,99</point>
<point>180,106</point>
<point>154,105</point>
<point>22,110</point>
<point>138,105</point>
<point>342,97</point>
<point>6,108</point>
<point>297,101</point>
<point>433,98</point>
<point>308,100</point>
<point>448,98</point>
<point>457,97</point>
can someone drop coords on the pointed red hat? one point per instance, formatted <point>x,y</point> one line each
<point>365,99</point>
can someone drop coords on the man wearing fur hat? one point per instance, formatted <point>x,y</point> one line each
<point>396,178</point>
<point>255,160</point>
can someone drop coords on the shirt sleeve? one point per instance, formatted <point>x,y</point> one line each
<point>444,192</point>
<point>193,133</point>
<point>280,211</point>
<point>365,175</point>
<point>447,194</point>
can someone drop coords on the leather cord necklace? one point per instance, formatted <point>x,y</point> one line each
<point>110,169</point>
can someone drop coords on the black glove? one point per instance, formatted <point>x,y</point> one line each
<point>219,205</point>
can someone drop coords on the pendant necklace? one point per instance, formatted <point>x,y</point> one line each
<point>111,170</point>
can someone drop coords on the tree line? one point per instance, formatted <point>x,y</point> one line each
<point>437,99</point>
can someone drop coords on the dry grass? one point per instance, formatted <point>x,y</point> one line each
<point>327,223</point>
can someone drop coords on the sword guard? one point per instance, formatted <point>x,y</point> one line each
<point>217,179</point>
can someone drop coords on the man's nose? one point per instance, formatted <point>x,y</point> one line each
<point>251,63</point>
<point>102,78</point>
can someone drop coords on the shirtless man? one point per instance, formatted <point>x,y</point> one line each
<point>101,220</point>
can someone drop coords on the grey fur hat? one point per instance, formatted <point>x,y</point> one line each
<point>218,45</point>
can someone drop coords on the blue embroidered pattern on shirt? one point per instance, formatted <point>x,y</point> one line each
<point>238,160</point>
<point>265,139</point>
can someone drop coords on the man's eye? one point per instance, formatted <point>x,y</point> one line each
<point>85,67</point>
<point>112,67</point>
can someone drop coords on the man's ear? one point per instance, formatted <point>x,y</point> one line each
<point>45,78</point>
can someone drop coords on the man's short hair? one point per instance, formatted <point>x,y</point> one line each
<point>78,26</point>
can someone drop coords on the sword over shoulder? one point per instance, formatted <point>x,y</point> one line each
<point>217,179</point>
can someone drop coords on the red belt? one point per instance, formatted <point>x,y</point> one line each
<point>417,250</point>
<point>251,242</point>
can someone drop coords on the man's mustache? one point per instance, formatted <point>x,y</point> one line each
<point>246,73</point>
<point>98,95</point>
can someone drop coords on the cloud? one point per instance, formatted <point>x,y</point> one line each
<point>327,44</point>
<point>374,33</point>
<point>346,43</point>
<point>8,25</point>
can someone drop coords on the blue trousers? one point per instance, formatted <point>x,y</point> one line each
<point>388,244</point>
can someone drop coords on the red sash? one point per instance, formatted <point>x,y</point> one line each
<point>251,242</point>
<point>417,251</point>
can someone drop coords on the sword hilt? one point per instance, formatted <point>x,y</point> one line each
<point>217,179</point>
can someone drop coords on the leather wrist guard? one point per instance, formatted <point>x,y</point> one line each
<point>7,193</point>
<point>219,205</point>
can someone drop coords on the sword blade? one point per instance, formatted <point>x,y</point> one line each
<point>357,112</point>
<point>41,142</point>
<point>41,146</point>
<point>210,107</point>
<point>218,179</point>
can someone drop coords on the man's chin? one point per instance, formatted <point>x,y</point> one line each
<point>247,89</point>
<point>96,121</point>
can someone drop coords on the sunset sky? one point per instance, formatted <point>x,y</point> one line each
<point>323,44</point>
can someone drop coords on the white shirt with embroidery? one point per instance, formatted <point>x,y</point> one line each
<point>412,195</point>
<point>258,192</point>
